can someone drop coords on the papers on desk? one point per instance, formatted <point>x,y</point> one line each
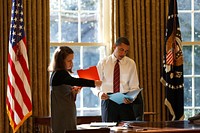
<point>119,97</point>
<point>112,128</point>
<point>97,125</point>
<point>103,124</point>
<point>86,126</point>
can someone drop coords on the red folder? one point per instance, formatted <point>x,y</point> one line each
<point>90,73</point>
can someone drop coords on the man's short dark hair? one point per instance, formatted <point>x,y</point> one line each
<point>121,40</point>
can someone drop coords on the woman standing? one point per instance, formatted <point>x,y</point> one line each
<point>64,88</point>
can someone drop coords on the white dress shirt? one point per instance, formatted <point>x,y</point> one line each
<point>128,75</point>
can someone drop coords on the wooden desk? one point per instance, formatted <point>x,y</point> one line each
<point>39,121</point>
<point>46,121</point>
<point>134,126</point>
<point>160,127</point>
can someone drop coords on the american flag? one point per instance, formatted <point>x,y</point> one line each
<point>18,100</point>
<point>170,57</point>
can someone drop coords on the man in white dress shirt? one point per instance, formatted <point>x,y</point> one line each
<point>111,111</point>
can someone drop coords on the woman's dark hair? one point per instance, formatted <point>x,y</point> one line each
<point>121,40</point>
<point>60,54</point>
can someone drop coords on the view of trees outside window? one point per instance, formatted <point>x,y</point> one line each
<point>77,24</point>
<point>74,20</point>
<point>189,18</point>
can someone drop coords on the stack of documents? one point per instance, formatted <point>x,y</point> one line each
<point>97,125</point>
<point>103,124</point>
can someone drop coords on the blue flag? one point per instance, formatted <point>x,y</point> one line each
<point>172,76</point>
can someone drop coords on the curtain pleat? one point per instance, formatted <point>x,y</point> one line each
<point>143,23</point>
<point>37,31</point>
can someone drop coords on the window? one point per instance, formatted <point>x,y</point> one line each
<point>189,18</point>
<point>81,25</point>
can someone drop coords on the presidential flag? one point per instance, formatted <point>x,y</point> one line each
<point>18,100</point>
<point>172,76</point>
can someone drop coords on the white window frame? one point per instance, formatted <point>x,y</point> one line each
<point>192,43</point>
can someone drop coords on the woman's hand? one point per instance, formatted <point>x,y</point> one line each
<point>76,89</point>
<point>98,83</point>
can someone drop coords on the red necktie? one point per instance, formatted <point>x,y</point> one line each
<point>116,77</point>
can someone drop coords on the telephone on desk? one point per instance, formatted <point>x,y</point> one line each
<point>195,118</point>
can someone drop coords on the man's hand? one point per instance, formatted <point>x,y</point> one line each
<point>104,96</point>
<point>127,101</point>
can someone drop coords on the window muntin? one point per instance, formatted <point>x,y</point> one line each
<point>78,24</point>
<point>189,18</point>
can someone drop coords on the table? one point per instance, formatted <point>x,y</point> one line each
<point>158,127</point>
<point>132,126</point>
<point>39,121</point>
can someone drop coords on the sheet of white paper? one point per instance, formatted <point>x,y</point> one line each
<point>119,97</point>
<point>103,124</point>
<point>86,126</point>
